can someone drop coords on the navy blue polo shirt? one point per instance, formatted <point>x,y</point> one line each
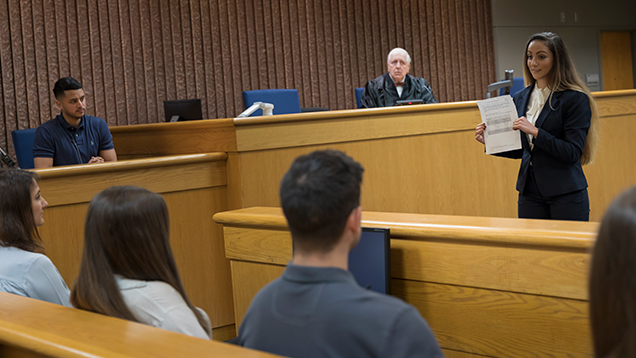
<point>314,312</point>
<point>68,145</point>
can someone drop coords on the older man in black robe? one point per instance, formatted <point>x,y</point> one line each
<point>396,84</point>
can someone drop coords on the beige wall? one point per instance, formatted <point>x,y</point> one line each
<point>515,21</point>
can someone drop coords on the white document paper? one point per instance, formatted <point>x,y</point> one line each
<point>499,113</point>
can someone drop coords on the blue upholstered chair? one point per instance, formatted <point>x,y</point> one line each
<point>517,85</point>
<point>284,100</point>
<point>23,144</point>
<point>359,96</point>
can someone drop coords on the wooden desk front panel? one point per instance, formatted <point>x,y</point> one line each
<point>439,173</point>
<point>194,188</point>
<point>613,170</point>
<point>496,323</point>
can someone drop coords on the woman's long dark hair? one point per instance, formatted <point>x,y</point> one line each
<point>564,76</point>
<point>126,233</point>
<point>613,280</point>
<point>17,225</point>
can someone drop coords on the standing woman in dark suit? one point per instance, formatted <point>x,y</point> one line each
<point>558,121</point>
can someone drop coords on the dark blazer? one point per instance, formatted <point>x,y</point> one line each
<point>556,158</point>
<point>381,92</point>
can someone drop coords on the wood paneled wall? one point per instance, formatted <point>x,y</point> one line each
<point>131,55</point>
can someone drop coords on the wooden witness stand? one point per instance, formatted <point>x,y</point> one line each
<point>418,159</point>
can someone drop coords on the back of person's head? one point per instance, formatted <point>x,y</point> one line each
<point>126,233</point>
<point>563,76</point>
<point>317,194</point>
<point>65,84</point>
<point>613,282</point>
<point>401,51</point>
<point>17,226</point>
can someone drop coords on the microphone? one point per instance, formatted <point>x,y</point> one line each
<point>7,159</point>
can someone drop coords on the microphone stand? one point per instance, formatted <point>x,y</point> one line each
<point>7,159</point>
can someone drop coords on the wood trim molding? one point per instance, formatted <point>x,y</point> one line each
<point>578,237</point>
<point>124,165</point>
<point>38,328</point>
<point>355,113</point>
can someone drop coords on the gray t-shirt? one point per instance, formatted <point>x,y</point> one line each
<point>323,312</point>
<point>32,275</point>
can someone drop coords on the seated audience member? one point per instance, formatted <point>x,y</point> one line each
<point>612,280</point>
<point>396,84</point>
<point>24,270</point>
<point>316,308</point>
<point>72,137</point>
<point>128,270</point>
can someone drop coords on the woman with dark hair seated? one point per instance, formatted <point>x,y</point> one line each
<point>24,270</point>
<point>128,270</point>
<point>613,280</point>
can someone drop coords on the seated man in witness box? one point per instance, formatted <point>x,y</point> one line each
<point>316,308</point>
<point>72,137</point>
<point>397,84</point>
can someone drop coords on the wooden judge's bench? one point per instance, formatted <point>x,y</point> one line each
<point>418,160</point>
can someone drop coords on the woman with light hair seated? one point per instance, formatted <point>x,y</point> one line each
<point>128,270</point>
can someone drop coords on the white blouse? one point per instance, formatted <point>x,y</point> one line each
<point>158,304</point>
<point>537,101</point>
<point>32,275</point>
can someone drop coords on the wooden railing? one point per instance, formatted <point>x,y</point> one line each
<point>32,328</point>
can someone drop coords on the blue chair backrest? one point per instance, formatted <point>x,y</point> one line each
<point>284,100</point>
<point>359,96</point>
<point>23,144</point>
<point>517,85</point>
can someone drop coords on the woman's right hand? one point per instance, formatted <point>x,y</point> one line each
<point>479,133</point>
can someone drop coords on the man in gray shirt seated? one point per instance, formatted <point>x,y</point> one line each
<point>316,308</point>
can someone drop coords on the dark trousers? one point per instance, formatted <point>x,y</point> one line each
<point>570,206</point>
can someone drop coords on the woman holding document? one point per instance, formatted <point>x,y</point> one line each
<point>558,124</point>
